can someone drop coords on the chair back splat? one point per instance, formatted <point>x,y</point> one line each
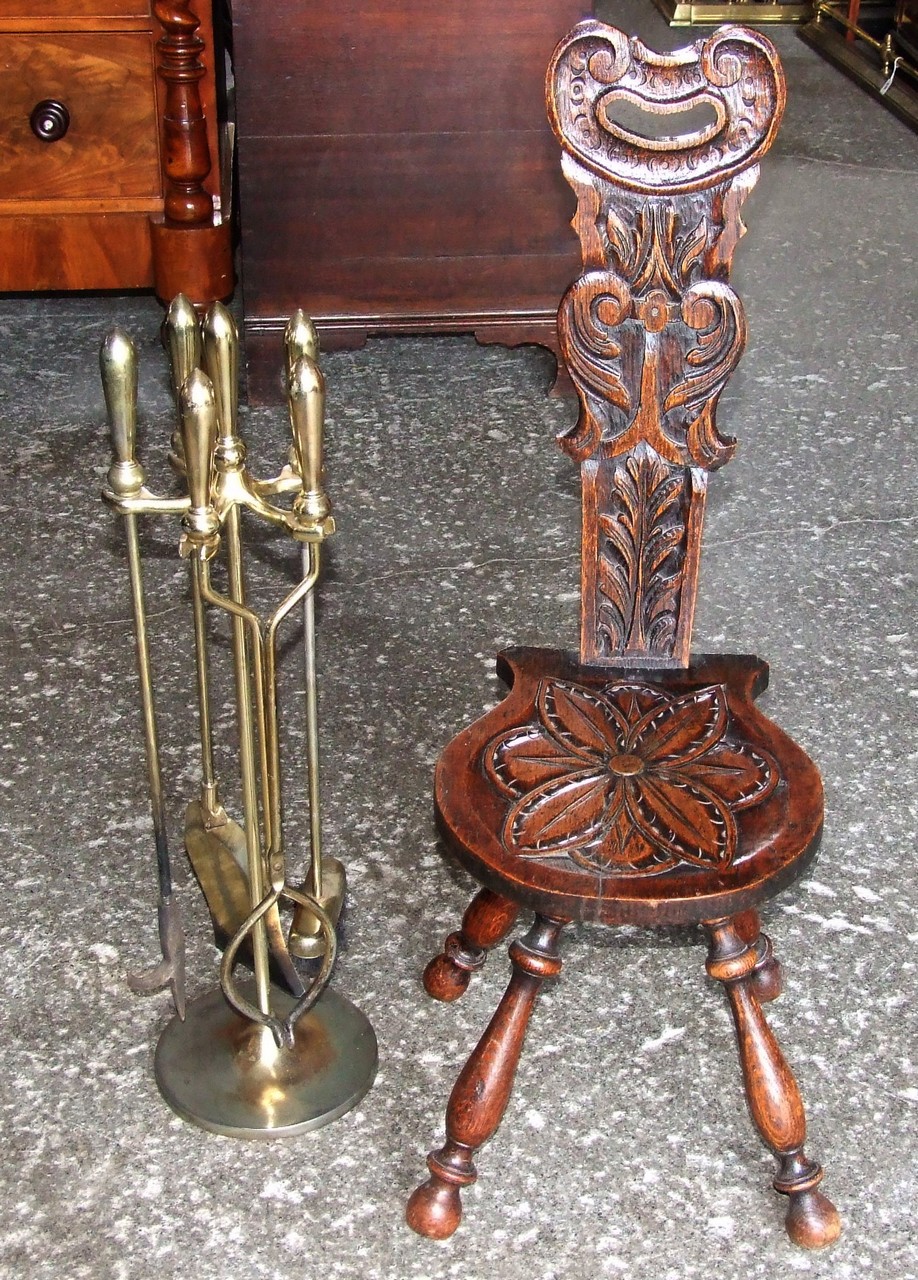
<point>651,330</point>
<point>637,783</point>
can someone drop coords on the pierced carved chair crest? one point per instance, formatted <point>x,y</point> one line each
<point>652,330</point>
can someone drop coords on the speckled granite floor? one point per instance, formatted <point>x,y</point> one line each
<point>626,1151</point>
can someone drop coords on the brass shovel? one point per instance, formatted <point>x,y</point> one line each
<point>216,844</point>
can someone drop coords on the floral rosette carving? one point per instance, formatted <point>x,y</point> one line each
<point>627,780</point>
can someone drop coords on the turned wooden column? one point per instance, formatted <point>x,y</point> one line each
<point>772,1093</point>
<point>480,1095</point>
<point>186,155</point>
<point>767,977</point>
<point>487,921</point>
<point>192,248</point>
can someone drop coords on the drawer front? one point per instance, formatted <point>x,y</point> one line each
<point>29,11</point>
<point>106,83</point>
<point>75,251</point>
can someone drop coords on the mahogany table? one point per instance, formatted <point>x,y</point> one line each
<point>396,172</point>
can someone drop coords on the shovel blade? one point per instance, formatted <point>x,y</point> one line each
<point>218,856</point>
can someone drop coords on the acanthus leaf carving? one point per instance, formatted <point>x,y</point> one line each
<point>590,315</point>
<point>641,547</point>
<point>716,314</point>
<point>650,345</point>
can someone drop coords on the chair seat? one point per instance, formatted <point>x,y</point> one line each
<point>622,795</point>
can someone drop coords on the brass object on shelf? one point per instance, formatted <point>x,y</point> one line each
<point>875,46</point>
<point>245,1059</point>
<point>696,13</point>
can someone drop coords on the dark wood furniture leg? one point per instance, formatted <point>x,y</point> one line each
<point>771,1090</point>
<point>192,253</point>
<point>767,977</point>
<point>480,1095</point>
<point>487,921</point>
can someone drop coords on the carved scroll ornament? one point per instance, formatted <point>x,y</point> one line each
<point>651,349</point>
<point>735,72</point>
<point>651,331</point>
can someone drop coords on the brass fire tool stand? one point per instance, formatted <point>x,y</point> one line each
<point>699,13</point>
<point>246,1059</point>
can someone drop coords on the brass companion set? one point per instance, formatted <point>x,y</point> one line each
<point>634,782</point>
<point>220,1061</point>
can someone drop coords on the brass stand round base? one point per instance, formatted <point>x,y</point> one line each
<point>226,1074</point>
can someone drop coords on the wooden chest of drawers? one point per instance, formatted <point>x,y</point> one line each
<point>396,170</point>
<point>85,169</point>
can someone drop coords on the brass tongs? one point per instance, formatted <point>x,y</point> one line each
<point>216,496</point>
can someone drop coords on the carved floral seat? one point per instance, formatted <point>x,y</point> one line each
<point>635,782</point>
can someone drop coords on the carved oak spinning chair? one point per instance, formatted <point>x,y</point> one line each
<point>640,784</point>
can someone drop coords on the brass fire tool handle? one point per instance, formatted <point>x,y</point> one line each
<point>182,338</point>
<point>326,880</point>
<point>221,360</point>
<point>118,366</point>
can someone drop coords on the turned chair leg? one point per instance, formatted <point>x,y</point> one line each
<point>767,977</point>
<point>771,1090</point>
<point>480,1095</point>
<point>487,921</point>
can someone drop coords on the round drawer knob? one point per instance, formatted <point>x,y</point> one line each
<point>49,120</point>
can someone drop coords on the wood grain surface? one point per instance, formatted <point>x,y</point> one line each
<point>395,164</point>
<point>111,148</point>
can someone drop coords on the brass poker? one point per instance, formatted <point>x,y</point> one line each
<point>125,481</point>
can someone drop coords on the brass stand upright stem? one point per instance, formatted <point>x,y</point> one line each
<point>311,563</point>
<point>210,799</point>
<point>247,755</point>
<point>151,732</point>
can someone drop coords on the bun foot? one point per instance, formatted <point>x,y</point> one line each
<point>487,920</point>
<point>812,1220</point>
<point>434,1209</point>
<point>444,980</point>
